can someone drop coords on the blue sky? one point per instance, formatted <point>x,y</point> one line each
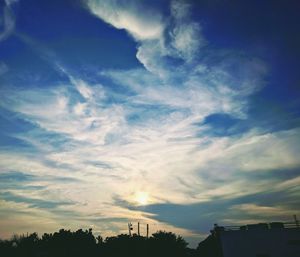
<point>180,114</point>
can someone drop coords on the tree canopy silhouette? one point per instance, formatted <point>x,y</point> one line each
<point>66,243</point>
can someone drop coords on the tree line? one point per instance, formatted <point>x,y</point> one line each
<point>82,243</point>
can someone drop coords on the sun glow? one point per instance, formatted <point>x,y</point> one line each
<point>142,198</point>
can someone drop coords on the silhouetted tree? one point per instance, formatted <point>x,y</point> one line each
<point>167,244</point>
<point>66,243</point>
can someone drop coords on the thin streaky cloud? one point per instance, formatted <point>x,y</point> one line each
<point>176,127</point>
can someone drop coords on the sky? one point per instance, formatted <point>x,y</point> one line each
<point>179,114</point>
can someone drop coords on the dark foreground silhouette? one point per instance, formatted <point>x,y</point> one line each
<point>66,243</point>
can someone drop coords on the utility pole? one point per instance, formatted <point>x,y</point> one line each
<point>296,220</point>
<point>138,229</point>
<point>130,228</point>
<point>147,230</point>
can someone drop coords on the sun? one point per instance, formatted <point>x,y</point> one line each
<point>142,198</point>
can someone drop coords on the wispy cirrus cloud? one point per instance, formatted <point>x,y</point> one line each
<point>146,129</point>
<point>7,22</point>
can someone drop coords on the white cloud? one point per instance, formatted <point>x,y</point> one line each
<point>151,54</point>
<point>164,153</point>
<point>265,211</point>
<point>84,89</point>
<point>180,10</point>
<point>186,36</point>
<point>152,32</point>
<point>10,2</point>
<point>161,156</point>
<point>253,152</point>
<point>186,39</point>
<point>140,21</point>
<point>7,22</point>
